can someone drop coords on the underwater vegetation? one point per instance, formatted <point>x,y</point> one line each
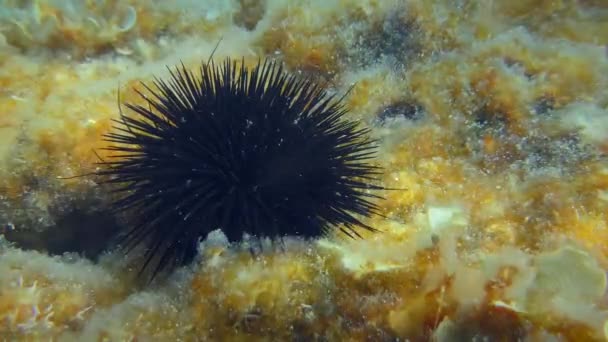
<point>255,151</point>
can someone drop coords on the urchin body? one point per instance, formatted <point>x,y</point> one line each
<point>255,151</point>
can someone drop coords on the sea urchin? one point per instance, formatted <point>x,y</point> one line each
<point>242,150</point>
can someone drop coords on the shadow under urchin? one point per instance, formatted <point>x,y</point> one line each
<point>257,151</point>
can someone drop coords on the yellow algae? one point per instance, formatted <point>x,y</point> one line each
<point>51,294</point>
<point>521,7</point>
<point>552,279</point>
<point>570,274</point>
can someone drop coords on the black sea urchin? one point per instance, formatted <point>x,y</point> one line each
<point>257,151</point>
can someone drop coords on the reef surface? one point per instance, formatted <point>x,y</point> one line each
<point>492,116</point>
